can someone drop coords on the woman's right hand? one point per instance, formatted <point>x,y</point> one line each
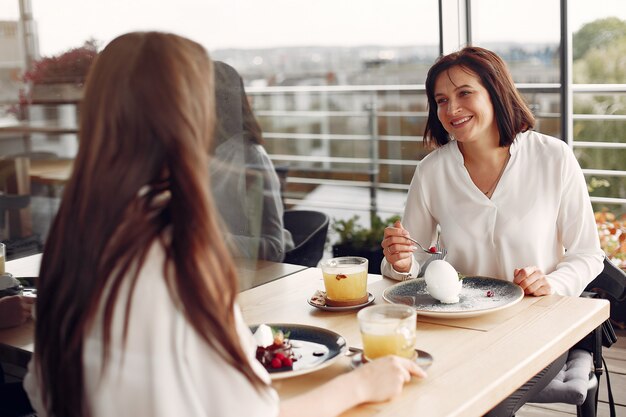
<point>384,378</point>
<point>378,380</point>
<point>398,250</point>
<point>15,310</point>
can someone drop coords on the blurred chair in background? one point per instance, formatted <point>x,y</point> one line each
<point>16,225</point>
<point>308,229</point>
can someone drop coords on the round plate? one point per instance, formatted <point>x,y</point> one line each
<point>423,359</point>
<point>473,300</point>
<point>370,300</point>
<point>307,340</point>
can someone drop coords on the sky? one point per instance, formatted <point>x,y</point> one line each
<point>219,24</point>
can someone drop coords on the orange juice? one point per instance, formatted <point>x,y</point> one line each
<point>388,329</point>
<point>377,345</point>
<point>344,284</point>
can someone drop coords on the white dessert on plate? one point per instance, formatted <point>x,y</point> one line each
<point>442,282</point>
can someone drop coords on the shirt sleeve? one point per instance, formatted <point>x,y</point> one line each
<point>32,386</point>
<point>583,257</point>
<point>420,224</point>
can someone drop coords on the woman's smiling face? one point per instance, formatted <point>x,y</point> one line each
<point>464,107</point>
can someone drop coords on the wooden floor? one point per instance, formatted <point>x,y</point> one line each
<point>616,364</point>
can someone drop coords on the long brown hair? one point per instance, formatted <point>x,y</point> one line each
<point>510,109</point>
<point>232,108</point>
<point>147,118</point>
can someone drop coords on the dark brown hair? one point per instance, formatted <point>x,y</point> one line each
<point>233,111</point>
<point>147,118</point>
<point>510,109</point>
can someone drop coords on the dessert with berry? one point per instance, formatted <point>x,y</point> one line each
<point>443,282</point>
<point>277,355</point>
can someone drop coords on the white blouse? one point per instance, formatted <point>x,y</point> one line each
<point>167,369</point>
<point>539,214</point>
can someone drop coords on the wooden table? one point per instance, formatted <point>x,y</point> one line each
<point>51,171</point>
<point>26,128</point>
<point>48,127</point>
<point>477,361</point>
<point>255,273</point>
<point>17,344</point>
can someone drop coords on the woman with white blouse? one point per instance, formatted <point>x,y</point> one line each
<point>509,202</point>
<point>136,306</point>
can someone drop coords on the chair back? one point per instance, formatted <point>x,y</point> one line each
<point>308,229</point>
<point>16,220</point>
<point>612,281</point>
<point>575,384</point>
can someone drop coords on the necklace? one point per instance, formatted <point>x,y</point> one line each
<point>491,189</point>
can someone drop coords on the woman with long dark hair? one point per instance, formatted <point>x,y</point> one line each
<point>136,310</point>
<point>509,202</point>
<point>243,178</point>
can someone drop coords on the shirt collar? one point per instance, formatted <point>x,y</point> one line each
<point>458,156</point>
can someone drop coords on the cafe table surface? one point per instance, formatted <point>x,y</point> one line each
<point>17,344</point>
<point>477,363</point>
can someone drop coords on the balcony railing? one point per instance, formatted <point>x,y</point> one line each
<point>370,110</point>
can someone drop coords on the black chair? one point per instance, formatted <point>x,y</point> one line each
<point>308,229</point>
<point>578,381</point>
<point>16,223</point>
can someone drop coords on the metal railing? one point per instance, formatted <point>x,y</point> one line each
<point>371,111</point>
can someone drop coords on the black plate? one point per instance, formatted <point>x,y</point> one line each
<point>306,340</point>
<point>473,300</point>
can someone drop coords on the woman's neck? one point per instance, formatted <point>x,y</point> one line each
<point>483,154</point>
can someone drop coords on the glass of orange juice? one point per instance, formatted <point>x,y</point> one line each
<point>345,280</point>
<point>388,329</point>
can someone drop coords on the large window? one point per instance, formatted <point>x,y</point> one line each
<point>529,41</point>
<point>338,86</point>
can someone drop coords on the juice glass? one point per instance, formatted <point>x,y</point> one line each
<point>388,329</point>
<point>345,279</point>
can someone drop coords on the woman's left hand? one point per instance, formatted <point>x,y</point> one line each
<point>532,280</point>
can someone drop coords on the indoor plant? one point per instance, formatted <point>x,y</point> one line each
<point>356,240</point>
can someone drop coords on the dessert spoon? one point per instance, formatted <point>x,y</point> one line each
<point>432,252</point>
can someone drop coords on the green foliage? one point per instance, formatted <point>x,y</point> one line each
<point>600,58</point>
<point>596,35</point>
<point>351,232</point>
<point>605,64</point>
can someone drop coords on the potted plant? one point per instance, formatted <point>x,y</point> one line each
<point>356,240</point>
<point>612,233</point>
<point>59,78</point>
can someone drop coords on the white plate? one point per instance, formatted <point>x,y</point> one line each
<point>473,300</point>
<point>306,340</point>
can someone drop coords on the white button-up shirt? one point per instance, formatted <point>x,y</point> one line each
<point>539,214</point>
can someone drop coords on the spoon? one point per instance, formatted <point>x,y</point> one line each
<point>429,251</point>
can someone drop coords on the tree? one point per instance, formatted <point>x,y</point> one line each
<point>605,64</point>
<point>597,34</point>
<point>600,58</point>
